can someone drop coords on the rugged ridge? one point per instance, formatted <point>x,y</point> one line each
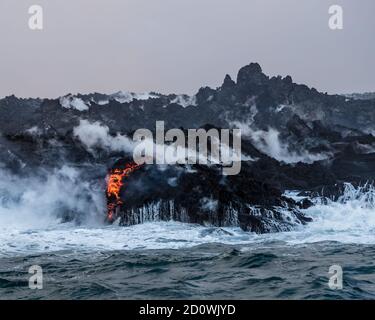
<point>293,137</point>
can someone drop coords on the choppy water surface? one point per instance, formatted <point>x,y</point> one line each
<point>171,260</point>
<point>211,271</point>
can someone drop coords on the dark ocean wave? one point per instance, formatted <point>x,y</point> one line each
<point>204,272</point>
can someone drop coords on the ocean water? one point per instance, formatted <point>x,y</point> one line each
<point>172,260</point>
<point>209,271</point>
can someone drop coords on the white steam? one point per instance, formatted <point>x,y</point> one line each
<point>209,204</point>
<point>127,97</point>
<point>270,144</point>
<point>71,102</point>
<point>96,135</point>
<point>185,100</point>
<point>44,199</point>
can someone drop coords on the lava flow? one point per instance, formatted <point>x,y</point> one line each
<point>114,184</point>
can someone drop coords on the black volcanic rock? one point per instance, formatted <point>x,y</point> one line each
<point>201,195</point>
<point>251,75</point>
<point>228,83</point>
<point>298,127</point>
<point>290,121</point>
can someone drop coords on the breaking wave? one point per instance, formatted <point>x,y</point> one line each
<point>60,211</point>
<point>46,199</point>
<point>350,218</point>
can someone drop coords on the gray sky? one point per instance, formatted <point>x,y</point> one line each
<point>177,46</point>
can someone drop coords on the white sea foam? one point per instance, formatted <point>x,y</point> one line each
<point>28,221</point>
<point>41,201</point>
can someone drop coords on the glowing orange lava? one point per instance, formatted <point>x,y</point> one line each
<point>114,184</point>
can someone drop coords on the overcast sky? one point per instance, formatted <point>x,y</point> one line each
<point>180,45</point>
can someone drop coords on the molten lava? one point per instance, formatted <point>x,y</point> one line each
<point>114,184</point>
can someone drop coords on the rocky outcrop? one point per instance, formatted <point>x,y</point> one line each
<point>200,194</point>
<point>294,137</point>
